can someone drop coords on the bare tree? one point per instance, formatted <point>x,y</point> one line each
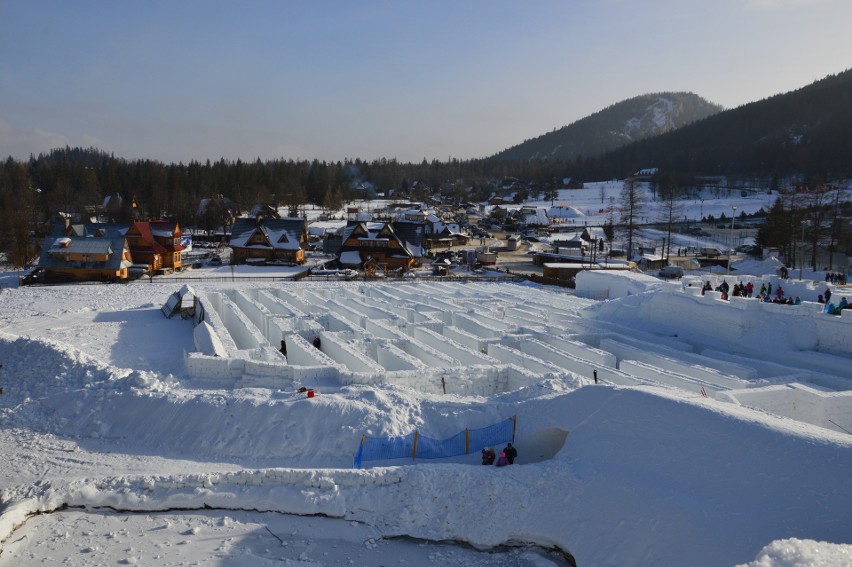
<point>631,209</point>
<point>669,212</point>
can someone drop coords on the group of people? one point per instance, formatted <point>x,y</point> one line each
<point>765,294</point>
<point>835,278</point>
<point>830,307</point>
<point>739,289</point>
<point>780,300</point>
<point>768,294</point>
<point>507,456</point>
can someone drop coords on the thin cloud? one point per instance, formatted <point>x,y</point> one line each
<point>21,142</point>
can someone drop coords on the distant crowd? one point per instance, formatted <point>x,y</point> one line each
<point>835,278</point>
<point>766,295</point>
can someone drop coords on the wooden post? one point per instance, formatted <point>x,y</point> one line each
<point>414,449</point>
<point>514,426</point>
<point>466,441</point>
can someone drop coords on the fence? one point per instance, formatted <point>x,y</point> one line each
<point>416,446</point>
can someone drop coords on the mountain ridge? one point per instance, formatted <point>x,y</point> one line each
<point>617,125</point>
<point>805,132</point>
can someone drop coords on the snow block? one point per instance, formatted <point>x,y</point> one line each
<point>207,341</point>
<point>831,410</point>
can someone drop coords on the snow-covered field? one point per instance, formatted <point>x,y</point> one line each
<point>708,441</point>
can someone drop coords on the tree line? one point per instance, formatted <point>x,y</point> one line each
<point>77,180</point>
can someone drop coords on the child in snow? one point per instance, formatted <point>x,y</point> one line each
<point>511,453</point>
<point>488,456</point>
<point>502,461</point>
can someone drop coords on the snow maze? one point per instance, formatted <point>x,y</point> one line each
<point>484,339</point>
<point>440,338</point>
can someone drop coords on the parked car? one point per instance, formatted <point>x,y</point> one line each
<point>671,272</point>
<point>33,275</point>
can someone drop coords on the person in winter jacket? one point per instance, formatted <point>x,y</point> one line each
<point>488,456</point>
<point>502,461</point>
<point>511,453</point>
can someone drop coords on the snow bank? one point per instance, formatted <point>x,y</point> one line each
<point>99,409</point>
<point>612,284</point>
<point>688,476</point>
<point>742,324</point>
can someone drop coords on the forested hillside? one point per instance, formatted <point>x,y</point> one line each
<point>807,133</point>
<point>613,127</point>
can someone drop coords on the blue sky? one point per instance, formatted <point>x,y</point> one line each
<point>188,79</point>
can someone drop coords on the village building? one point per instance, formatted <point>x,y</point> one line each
<point>438,232</point>
<point>388,246</point>
<point>157,244</point>
<point>76,258</point>
<point>263,240</point>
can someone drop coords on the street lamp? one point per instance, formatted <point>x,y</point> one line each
<point>733,216</point>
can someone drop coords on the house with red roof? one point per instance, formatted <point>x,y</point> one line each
<point>156,243</point>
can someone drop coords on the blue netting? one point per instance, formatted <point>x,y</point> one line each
<point>429,448</point>
<point>381,448</point>
<point>359,456</point>
<point>501,432</point>
<point>386,448</point>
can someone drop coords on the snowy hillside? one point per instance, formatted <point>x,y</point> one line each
<point>684,452</point>
<point>619,124</point>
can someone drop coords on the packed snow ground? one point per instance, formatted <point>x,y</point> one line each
<point>100,420</point>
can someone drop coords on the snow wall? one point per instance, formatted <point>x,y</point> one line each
<point>469,340</point>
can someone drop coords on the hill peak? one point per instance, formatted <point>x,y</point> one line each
<point>627,121</point>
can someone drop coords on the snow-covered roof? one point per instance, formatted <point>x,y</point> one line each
<point>56,253</point>
<point>278,234</point>
<point>350,258</point>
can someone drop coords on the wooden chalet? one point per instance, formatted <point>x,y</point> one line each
<point>390,246</point>
<point>437,231</point>
<point>75,258</point>
<point>262,240</point>
<point>156,243</point>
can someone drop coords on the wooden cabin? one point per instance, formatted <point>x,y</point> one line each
<point>75,258</point>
